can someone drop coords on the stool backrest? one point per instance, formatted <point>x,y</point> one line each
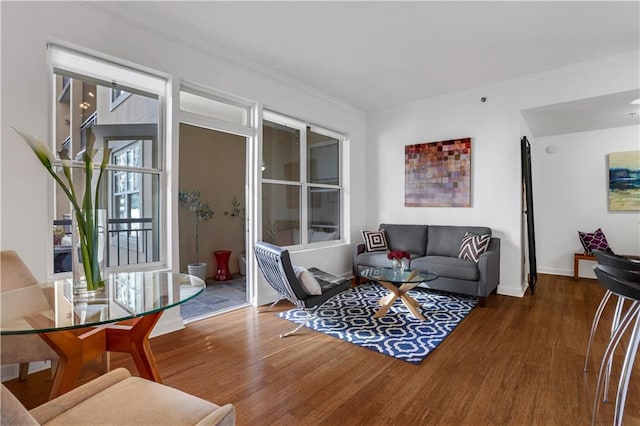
<point>619,281</point>
<point>616,261</point>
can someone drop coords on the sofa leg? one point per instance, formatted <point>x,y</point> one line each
<point>482,302</point>
<point>356,281</point>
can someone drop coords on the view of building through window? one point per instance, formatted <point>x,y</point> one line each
<point>127,123</point>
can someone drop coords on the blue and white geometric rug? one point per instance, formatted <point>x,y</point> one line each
<point>349,317</point>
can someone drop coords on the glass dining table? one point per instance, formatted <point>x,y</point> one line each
<point>80,328</point>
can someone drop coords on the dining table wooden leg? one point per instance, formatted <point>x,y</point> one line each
<point>75,348</point>
<point>132,336</point>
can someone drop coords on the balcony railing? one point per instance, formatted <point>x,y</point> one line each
<point>130,241</point>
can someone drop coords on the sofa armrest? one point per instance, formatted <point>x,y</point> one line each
<point>358,249</point>
<point>52,409</point>
<point>489,268</point>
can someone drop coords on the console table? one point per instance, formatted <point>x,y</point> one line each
<point>577,257</point>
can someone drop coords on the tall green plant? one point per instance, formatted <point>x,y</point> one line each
<point>238,212</point>
<point>201,209</point>
<point>86,212</point>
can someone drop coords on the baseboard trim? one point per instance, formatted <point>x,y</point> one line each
<point>584,272</point>
<point>167,325</point>
<point>513,291</point>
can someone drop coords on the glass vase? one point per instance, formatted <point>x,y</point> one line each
<point>396,264</point>
<point>404,263</point>
<point>88,257</point>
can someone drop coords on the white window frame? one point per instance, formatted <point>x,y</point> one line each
<point>88,65</point>
<point>304,183</point>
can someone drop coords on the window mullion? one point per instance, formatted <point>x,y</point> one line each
<point>304,214</point>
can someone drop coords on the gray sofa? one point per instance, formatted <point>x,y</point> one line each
<point>436,248</point>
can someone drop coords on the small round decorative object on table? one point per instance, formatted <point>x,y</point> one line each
<point>222,260</point>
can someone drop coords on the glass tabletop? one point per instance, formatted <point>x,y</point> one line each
<point>53,306</point>
<point>397,277</point>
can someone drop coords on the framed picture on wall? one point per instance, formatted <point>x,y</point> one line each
<point>438,174</point>
<point>624,181</point>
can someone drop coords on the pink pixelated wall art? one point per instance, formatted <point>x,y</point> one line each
<point>438,174</point>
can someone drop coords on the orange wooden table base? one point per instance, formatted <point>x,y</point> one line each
<point>78,346</point>
<point>132,336</point>
<point>75,348</point>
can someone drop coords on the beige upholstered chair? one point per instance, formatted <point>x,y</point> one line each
<point>117,398</point>
<point>22,349</point>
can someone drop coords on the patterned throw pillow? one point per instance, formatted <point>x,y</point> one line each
<point>473,246</point>
<point>375,240</point>
<point>594,241</point>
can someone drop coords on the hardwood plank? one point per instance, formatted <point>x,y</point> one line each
<point>514,362</point>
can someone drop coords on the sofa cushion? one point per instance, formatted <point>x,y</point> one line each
<point>376,258</point>
<point>450,267</point>
<point>445,240</point>
<point>375,240</point>
<point>473,246</point>
<point>411,238</point>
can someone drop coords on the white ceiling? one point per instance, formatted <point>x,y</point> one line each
<point>377,55</point>
<point>601,112</point>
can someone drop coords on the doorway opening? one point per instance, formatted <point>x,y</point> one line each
<point>213,164</point>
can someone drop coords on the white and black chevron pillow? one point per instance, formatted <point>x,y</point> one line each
<point>473,246</point>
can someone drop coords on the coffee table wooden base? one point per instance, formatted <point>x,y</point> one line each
<point>398,293</point>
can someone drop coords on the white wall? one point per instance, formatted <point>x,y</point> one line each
<point>570,191</point>
<point>27,26</point>
<point>495,167</point>
<point>495,128</point>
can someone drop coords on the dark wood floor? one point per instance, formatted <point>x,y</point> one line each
<point>515,362</point>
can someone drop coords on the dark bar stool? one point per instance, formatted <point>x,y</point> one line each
<point>626,285</point>
<point>614,261</point>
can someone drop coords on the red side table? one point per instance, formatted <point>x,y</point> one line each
<point>222,260</point>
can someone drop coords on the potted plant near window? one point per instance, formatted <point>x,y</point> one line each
<point>202,211</point>
<point>239,212</point>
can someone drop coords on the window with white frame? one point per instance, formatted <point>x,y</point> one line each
<point>83,93</point>
<point>301,182</point>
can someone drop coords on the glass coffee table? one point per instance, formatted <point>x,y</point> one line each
<point>398,282</point>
